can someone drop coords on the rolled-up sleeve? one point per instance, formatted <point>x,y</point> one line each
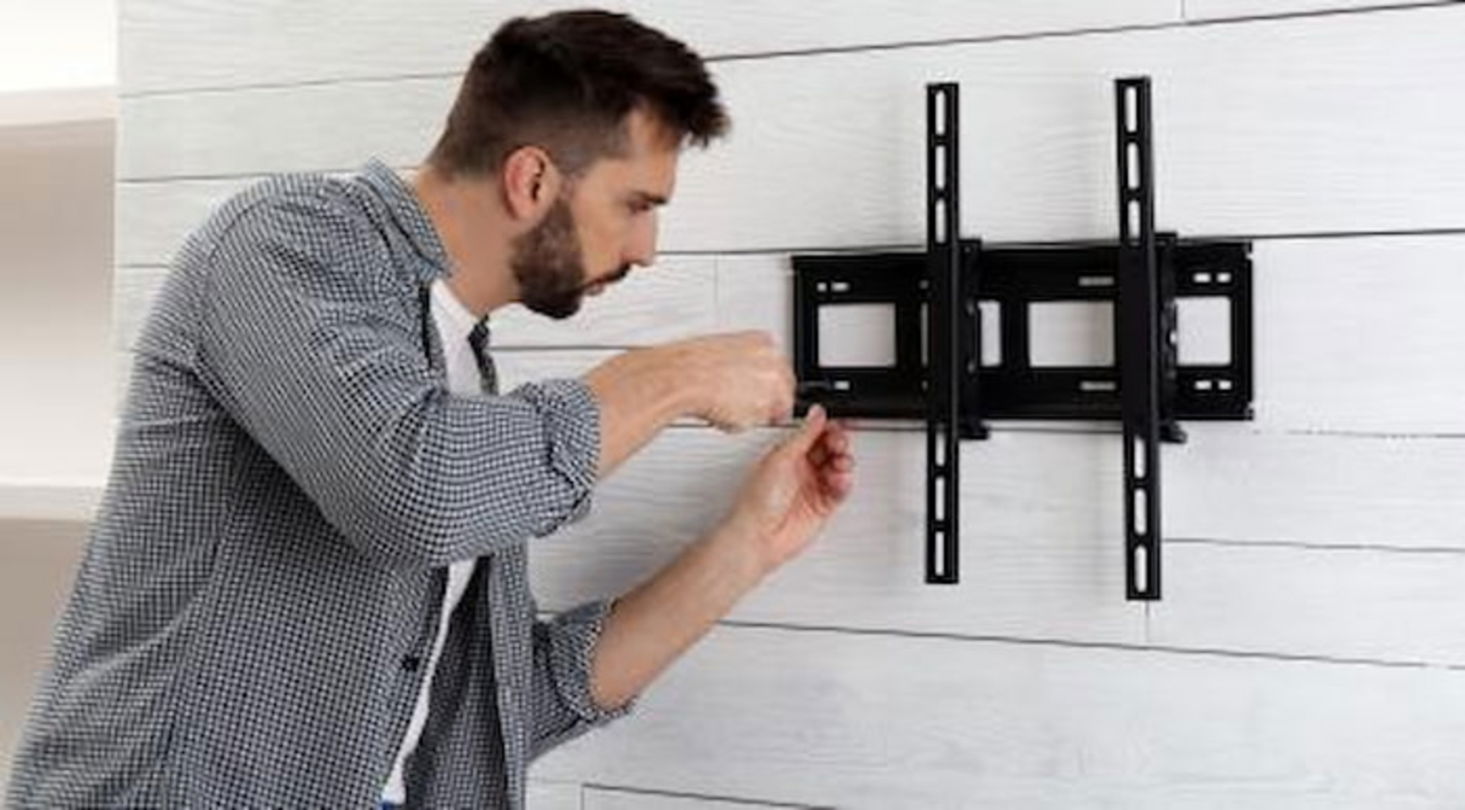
<point>316,351</point>
<point>564,649</point>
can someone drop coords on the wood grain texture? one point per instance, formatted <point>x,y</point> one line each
<point>153,219</point>
<point>1042,537</point>
<point>178,44</point>
<point>1334,124</point>
<point>880,722</point>
<point>553,796</point>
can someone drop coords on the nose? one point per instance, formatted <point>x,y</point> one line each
<point>641,250</point>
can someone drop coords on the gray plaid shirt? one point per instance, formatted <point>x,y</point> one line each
<point>250,623</point>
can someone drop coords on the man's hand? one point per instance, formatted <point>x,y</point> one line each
<point>733,381</point>
<point>738,380</point>
<point>793,490</point>
<point>784,502</point>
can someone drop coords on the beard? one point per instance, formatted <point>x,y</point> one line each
<point>549,265</point>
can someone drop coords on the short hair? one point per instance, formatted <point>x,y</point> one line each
<point>567,82</point>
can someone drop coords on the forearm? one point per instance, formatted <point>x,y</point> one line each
<point>657,621</point>
<point>639,393</point>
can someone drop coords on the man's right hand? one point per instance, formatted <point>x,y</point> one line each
<point>733,381</point>
<point>737,380</point>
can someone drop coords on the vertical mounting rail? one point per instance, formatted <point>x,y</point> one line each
<point>944,308</point>
<point>1138,339</point>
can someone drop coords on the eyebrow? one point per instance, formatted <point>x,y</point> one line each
<point>648,197</point>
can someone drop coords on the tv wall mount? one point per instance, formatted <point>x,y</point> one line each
<point>946,381</point>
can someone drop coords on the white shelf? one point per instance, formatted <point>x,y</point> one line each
<point>50,500</point>
<point>58,106</point>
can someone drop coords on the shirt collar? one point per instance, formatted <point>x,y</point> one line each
<point>454,319</point>
<point>404,206</point>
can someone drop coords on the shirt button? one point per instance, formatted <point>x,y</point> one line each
<point>410,663</point>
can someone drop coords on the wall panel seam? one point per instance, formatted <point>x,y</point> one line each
<point>1081,645</point>
<point>708,797</point>
<point>1075,644</point>
<point>1243,19</point>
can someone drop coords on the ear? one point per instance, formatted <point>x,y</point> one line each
<point>531,182</point>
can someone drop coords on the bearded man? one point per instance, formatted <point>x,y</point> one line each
<point>306,585</point>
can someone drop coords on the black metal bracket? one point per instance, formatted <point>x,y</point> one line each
<point>947,321</point>
<point>943,378</point>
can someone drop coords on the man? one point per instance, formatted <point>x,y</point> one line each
<point>306,585</point>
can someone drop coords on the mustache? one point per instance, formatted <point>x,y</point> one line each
<point>620,273</point>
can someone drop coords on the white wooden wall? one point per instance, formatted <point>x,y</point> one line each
<point>1310,650</point>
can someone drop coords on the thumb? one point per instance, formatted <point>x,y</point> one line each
<point>809,432</point>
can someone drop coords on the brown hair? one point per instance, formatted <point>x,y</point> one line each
<point>566,82</point>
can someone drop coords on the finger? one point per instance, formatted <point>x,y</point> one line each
<point>836,439</point>
<point>819,454</point>
<point>841,487</point>
<point>836,486</point>
<point>832,445</point>
<point>827,447</point>
<point>812,429</point>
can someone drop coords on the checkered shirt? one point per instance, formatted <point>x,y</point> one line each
<point>251,618</point>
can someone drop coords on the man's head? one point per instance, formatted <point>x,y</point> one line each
<point>577,119</point>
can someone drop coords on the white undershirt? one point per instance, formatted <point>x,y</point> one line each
<point>453,323</point>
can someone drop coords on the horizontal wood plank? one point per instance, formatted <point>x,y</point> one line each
<point>1358,603</point>
<point>178,44</point>
<point>154,219</point>
<point>879,722</point>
